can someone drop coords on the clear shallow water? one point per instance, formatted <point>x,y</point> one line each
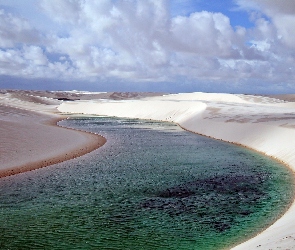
<point>152,186</point>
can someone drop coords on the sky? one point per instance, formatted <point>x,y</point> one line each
<point>232,46</point>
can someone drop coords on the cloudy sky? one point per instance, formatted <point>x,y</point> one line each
<point>239,46</point>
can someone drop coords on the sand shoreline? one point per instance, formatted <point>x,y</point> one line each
<point>261,123</point>
<point>274,159</point>
<point>36,140</point>
<point>91,145</point>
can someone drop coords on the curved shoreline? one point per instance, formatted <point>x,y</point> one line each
<point>255,122</point>
<point>94,144</point>
<point>71,143</point>
<point>260,123</point>
<point>292,202</point>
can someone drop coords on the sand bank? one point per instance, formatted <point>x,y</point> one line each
<point>31,139</point>
<point>261,123</point>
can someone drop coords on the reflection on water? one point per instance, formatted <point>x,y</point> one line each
<point>151,186</point>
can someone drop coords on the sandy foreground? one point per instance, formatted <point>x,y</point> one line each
<point>265,124</point>
<point>30,138</point>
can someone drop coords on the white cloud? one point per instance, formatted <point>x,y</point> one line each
<point>203,33</point>
<point>138,40</point>
<point>281,13</point>
<point>35,55</point>
<point>15,30</point>
<point>62,11</point>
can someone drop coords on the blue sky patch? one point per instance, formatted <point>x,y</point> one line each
<point>227,7</point>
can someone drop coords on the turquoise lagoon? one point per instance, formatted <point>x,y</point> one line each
<point>151,186</point>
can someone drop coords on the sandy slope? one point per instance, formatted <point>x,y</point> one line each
<point>262,123</point>
<point>30,138</point>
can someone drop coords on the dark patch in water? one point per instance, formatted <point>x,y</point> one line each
<point>152,186</point>
<point>235,196</point>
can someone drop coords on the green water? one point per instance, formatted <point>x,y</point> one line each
<point>151,186</point>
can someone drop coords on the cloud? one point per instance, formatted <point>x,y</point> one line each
<point>203,33</point>
<point>286,7</point>
<point>15,30</point>
<point>141,41</point>
<point>138,40</point>
<point>281,13</point>
<point>62,11</point>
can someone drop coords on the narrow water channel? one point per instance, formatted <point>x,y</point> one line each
<point>151,186</point>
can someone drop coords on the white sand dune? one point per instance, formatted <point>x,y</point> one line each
<point>30,138</point>
<point>261,123</point>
